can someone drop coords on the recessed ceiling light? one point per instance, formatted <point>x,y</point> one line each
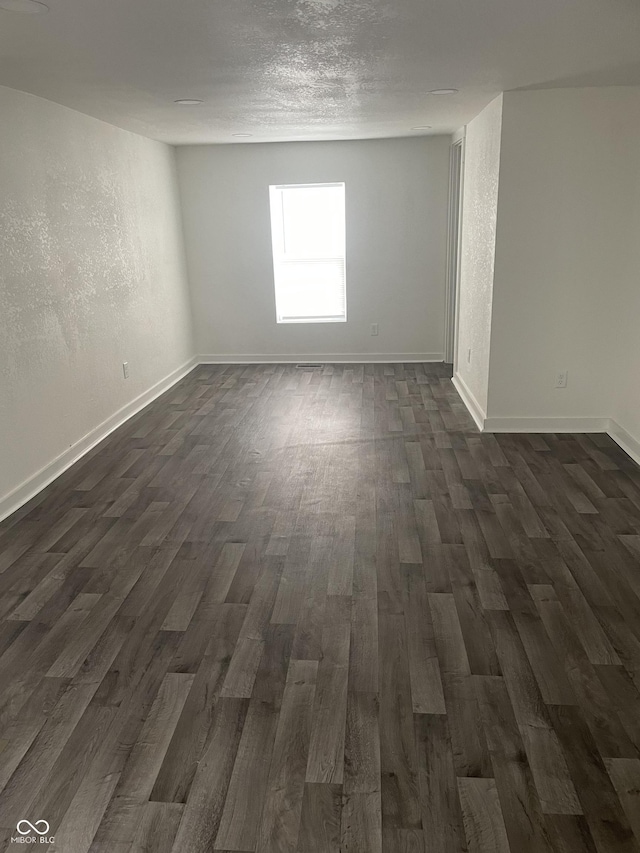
<point>243,135</point>
<point>422,127</point>
<point>27,7</point>
<point>187,102</point>
<point>443,91</point>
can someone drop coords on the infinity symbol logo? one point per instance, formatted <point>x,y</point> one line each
<point>32,828</point>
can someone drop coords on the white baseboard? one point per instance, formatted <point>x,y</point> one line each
<point>622,438</point>
<point>475,409</point>
<point>625,440</point>
<point>541,425</point>
<point>324,358</point>
<point>42,478</point>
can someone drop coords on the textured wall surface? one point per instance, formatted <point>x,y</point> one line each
<point>396,206</point>
<point>91,275</point>
<point>480,209</point>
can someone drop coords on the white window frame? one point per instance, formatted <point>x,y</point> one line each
<point>281,257</point>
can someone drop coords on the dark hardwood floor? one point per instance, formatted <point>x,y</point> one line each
<point>316,611</point>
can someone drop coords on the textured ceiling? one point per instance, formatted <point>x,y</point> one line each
<point>309,69</point>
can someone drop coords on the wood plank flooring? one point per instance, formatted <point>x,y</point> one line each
<point>316,611</point>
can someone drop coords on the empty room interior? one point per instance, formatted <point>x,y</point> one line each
<point>320,426</point>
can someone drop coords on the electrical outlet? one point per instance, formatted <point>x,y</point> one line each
<point>125,369</point>
<point>561,378</point>
<point>469,356</point>
<point>374,329</point>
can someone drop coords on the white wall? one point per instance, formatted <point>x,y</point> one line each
<point>396,200</point>
<point>566,231</point>
<point>91,275</point>
<point>625,375</point>
<point>477,253</point>
<point>551,264</point>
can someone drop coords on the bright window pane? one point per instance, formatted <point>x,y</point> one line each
<point>308,235</point>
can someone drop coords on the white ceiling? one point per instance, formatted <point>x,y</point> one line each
<point>309,69</point>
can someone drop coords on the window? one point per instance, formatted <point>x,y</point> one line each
<point>308,236</point>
